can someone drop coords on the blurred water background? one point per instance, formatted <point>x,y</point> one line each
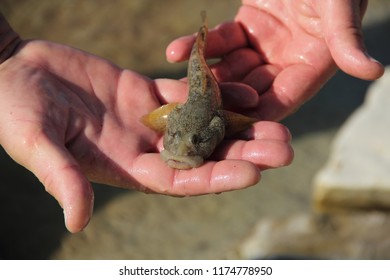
<point>132,225</point>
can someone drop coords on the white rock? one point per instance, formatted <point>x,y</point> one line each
<point>341,236</point>
<point>357,174</point>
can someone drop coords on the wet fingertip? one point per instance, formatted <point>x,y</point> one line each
<point>289,157</point>
<point>74,224</point>
<point>242,174</point>
<point>172,55</point>
<point>380,69</point>
<point>77,219</point>
<point>179,49</point>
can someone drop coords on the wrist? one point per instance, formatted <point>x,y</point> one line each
<point>9,40</point>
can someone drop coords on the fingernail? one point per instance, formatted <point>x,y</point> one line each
<point>371,58</point>
<point>91,208</point>
<point>65,218</point>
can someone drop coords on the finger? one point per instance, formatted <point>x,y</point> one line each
<point>62,178</point>
<point>262,77</point>
<point>266,130</point>
<point>221,40</point>
<point>265,154</point>
<point>211,177</point>
<point>290,89</point>
<point>235,65</point>
<point>238,96</point>
<point>235,95</point>
<point>343,34</point>
<point>170,91</point>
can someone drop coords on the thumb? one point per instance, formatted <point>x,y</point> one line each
<point>62,177</point>
<point>343,34</point>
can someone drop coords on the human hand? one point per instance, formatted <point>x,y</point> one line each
<point>286,50</point>
<point>70,117</point>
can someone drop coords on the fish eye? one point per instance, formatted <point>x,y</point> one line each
<point>195,139</point>
<point>174,134</point>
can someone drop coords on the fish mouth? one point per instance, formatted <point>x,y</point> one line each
<point>181,162</point>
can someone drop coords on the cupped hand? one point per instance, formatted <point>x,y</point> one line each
<point>71,117</point>
<point>286,50</point>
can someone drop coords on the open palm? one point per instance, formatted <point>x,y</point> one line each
<point>71,117</point>
<point>286,50</point>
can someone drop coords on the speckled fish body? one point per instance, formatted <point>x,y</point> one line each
<point>193,130</point>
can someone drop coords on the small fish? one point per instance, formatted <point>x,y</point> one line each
<point>193,130</point>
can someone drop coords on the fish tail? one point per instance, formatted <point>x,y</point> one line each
<point>203,14</point>
<point>203,31</point>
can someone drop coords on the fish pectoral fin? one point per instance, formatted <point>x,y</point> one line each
<point>236,122</point>
<point>157,119</point>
